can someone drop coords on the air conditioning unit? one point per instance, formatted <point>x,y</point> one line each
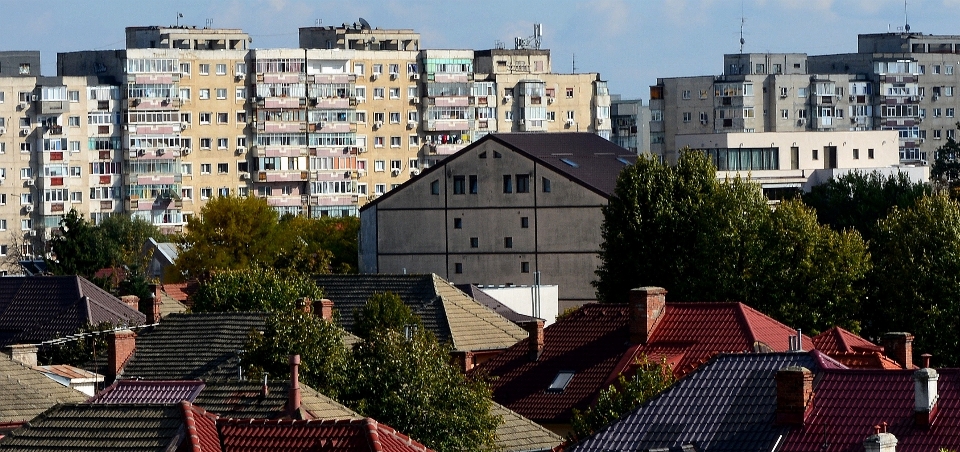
<point>415,100</point>
<point>375,76</point>
<point>241,150</point>
<point>378,124</point>
<point>185,151</point>
<point>569,122</point>
<point>936,96</point>
<point>395,171</point>
<point>3,130</point>
<point>240,75</point>
<point>551,100</point>
<point>23,105</point>
<point>161,151</point>
<point>415,172</point>
<point>184,125</point>
<point>29,208</point>
<point>28,182</point>
<point>24,131</point>
<point>853,98</point>
<point>394,75</point>
<point>34,98</point>
<point>921,141</point>
<point>600,120</point>
<point>703,121</point>
<point>245,175</point>
<point>415,76</point>
<point>411,124</point>
<point>507,99</point>
<point>141,152</point>
<point>32,232</point>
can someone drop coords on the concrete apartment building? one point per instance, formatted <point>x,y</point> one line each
<point>630,121</point>
<point>502,209</point>
<point>902,81</point>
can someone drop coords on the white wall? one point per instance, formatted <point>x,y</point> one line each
<point>519,298</point>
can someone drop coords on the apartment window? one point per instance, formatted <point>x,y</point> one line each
<point>869,153</point>
<point>221,93</point>
<point>856,154</point>
<point>240,68</point>
<point>26,198</point>
<point>186,168</point>
<point>206,193</point>
<point>412,92</point>
<point>26,224</point>
<point>551,116</point>
<point>204,143</point>
<point>474,242</point>
<point>571,115</point>
<point>508,115</point>
<point>525,267</point>
<point>378,142</point>
<point>474,185</point>
<point>76,196</point>
<point>951,112</point>
<point>73,96</point>
<point>223,118</point>
<point>524,222</point>
<point>3,223</point>
<point>458,268</point>
<point>394,142</point>
<point>377,69</point>
<point>204,69</point>
<point>413,116</point>
<point>185,93</point>
<point>396,165</point>
<point>435,187</point>
<point>459,185</point>
<point>221,69</point>
<point>394,69</point>
<point>801,92</point>
<point>951,134</point>
<point>570,93</point>
<point>378,93</point>
<point>784,114</point>
<point>948,91</point>
<point>685,94</point>
<point>223,168</point>
<point>546,185</point>
<point>394,93</point>
<point>243,191</point>
<point>507,183</point>
<point>222,143</point>
<point>358,68</point>
<point>361,117</point>
<point>360,92</point>
<point>205,168</point>
<point>394,117</point>
<point>936,112</point>
<point>379,165</point>
<point>748,112</point>
<point>458,223</point>
<point>25,69</point>
<point>936,68</point>
<point>204,93</point>
<point>241,142</point>
<point>223,192</point>
<point>704,117</point>
<point>508,242</point>
<point>378,117</point>
<point>523,183</point>
<point>802,114</point>
<point>414,141</point>
<point>74,171</point>
<point>937,134</point>
<point>24,147</point>
<point>241,93</point>
<point>241,116</point>
<point>242,166</point>
<point>816,154</point>
<point>687,116</point>
<point>185,68</point>
<point>73,121</point>
<point>379,189</point>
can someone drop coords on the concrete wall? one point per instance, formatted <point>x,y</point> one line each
<point>520,299</point>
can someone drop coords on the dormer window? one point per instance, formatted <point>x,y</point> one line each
<point>561,381</point>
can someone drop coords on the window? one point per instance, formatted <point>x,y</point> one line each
<point>360,92</point>
<point>394,142</point>
<point>508,242</point>
<point>185,68</point>
<point>378,142</point>
<point>435,187</point>
<point>856,154</point>
<point>951,134</point>
<point>394,117</point>
<point>801,92</point>
<point>869,153</point>
<point>204,93</point>
<point>241,93</point>
<point>241,142</point>
<point>507,183</point>
<point>458,223</point>
<point>379,165</point>
<point>948,91</point>
<point>525,267</point>
<point>545,185</point>
<point>26,198</point>
<point>26,173</point>
<point>222,143</point>
<point>474,242</point>
<point>394,93</point>
<point>704,118</point>
<point>551,116</point>
<point>26,224</point>
<point>358,68</point>
<point>221,69</point>
<point>221,93</point>
<point>685,94</point>
<point>950,112</point>
<point>204,143</point>
<point>561,381</point>
<point>223,168</point>
<point>570,115</point>
<point>687,116</point>
<point>73,96</point>
<point>936,68</point>
<point>412,92</point>
<point>24,147</point>
<point>458,268</point>
<point>74,171</point>
<point>414,141</point>
<point>378,93</point>
<point>379,189</point>
<point>784,114</point>
<point>937,134</point>
<point>73,121</point>
<point>186,193</point>
<point>25,69</point>
<point>206,193</point>
<point>3,223</point>
<point>223,118</point>
<point>204,69</point>
<point>223,192</point>
<point>76,196</point>
<point>459,185</point>
<point>474,184</point>
<point>205,168</point>
<point>524,222</point>
<point>816,154</point>
<point>570,93</point>
<point>396,165</point>
<point>523,183</point>
<point>205,117</point>
<point>377,69</point>
<point>508,115</point>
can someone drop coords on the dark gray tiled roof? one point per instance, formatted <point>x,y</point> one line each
<point>728,404</point>
<point>34,309</point>
<point>193,346</point>
<point>244,399</point>
<point>101,428</point>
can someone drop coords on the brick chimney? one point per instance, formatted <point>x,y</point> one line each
<point>150,307</point>
<point>899,347</point>
<point>326,310</point>
<point>535,330</point>
<point>121,346</point>
<point>794,395</point>
<point>881,441</point>
<point>925,394</point>
<point>646,309</point>
<point>467,361</point>
<point>293,399</point>
<point>132,301</point>
<point>305,304</point>
<point>25,354</point>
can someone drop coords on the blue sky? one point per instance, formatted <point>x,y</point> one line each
<point>630,42</point>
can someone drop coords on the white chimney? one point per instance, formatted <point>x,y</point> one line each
<point>925,395</point>
<point>880,441</point>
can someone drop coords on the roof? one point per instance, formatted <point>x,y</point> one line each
<point>594,162</point>
<point>69,372</point>
<point>848,404</point>
<point>100,427</point>
<point>728,404</point>
<point>593,342</point>
<point>34,309</point>
<point>355,435</point>
<point>192,346</point>
<point>483,298</point>
<point>517,433</point>
<point>243,399</point>
<point>25,393</point>
<point>180,292</point>
<point>446,311</point>
<point>853,351</point>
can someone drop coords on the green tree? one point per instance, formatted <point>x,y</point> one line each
<point>410,385</point>
<point>916,277</point>
<point>383,311</point>
<point>651,378</point>
<point>255,289</point>
<point>323,357</point>
<point>229,234</point>
<point>945,171</point>
<point>330,243</point>
<point>859,200</point>
<point>127,236</point>
<point>79,249</point>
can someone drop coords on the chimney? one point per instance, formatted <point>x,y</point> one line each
<point>305,304</point>
<point>646,308</point>
<point>150,307</point>
<point>925,394</point>
<point>899,347</point>
<point>794,395</point>
<point>121,346</point>
<point>265,390</point>
<point>131,301</point>
<point>293,400</point>
<point>326,310</point>
<point>535,342</point>
<point>467,361</point>
<point>881,441</point>
<point>25,354</point>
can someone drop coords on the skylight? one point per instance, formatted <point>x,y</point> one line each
<point>624,161</point>
<point>561,381</point>
<point>570,162</point>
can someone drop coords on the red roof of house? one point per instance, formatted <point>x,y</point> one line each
<point>853,351</point>
<point>201,429</point>
<point>181,291</point>
<point>594,343</point>
<point>849,403</point>
<point>353,435</point>
<point>141,391</point>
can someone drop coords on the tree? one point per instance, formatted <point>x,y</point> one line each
<point>332,241</point>
<point>946,166</point>
<point>383,311</point>
<point>323,356</point>
<point>79,249</point>
<point>255,289</point>
<point>410,385</point>
<point>126,237</point>
<point>651,378</point>
<point>229,234</point>
<point>916,277</point>
<point>859,200</point>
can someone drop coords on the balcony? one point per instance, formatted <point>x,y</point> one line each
<point>448,124</point>
<point>280,151</point>
<point>339,199</point>
<point>154,103</point>
<point>281,102</point>
<point>282,176</point>
<point>443,149</point>
<point>55,129</point>
<point>451,101</point>
<point>280,127</point>
<point>321,79</point>
<point>281,77</point>
<point>333,102</point>
<point>281,201</point>
<point>443,77</point>
<point>49,107</point>
<point>332,127</point>
<point>154,79</point>
<point>154,129</point>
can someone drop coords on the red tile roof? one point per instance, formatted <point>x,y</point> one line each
<point>853,351</point>
<point>354,435</point>
<point>848,404</point>
<point>594,343</point>
<point>201,429</point>
<point>181,291</point>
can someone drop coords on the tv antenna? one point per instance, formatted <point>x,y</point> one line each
<point>906,22</point>
<point>532,42</point>
<point>210,23</point>
<point>179,16</point>
<point>743,20</point>
<point>318,22</point>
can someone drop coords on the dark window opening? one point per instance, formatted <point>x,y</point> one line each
<point>507,183</point>
<point>474,242</point>
<point>459,185</point>
<point>474,186</point>
<point>458,223</point>
<point>508,242</point>
<point>435,187</point>
<point>523,183</point>
<point>545,183</point>
<point>524,222</point>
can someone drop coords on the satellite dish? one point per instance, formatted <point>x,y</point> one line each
<point>365,24</point>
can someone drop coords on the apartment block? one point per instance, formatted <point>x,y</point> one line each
<point>630,121</point>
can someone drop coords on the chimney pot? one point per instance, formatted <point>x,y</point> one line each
<point>305,304</point>
<point>925,396</point>
<point>925,358</point>
<point>326,310</point>
<point>120,348</point>
<point>293,401</point>
<point>25,354</point>
<point>880,442</point>
<point>536,338</point>
<point>794,395</point>
<point>646,309</point>
<point>898,346</point>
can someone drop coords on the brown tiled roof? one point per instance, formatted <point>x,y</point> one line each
<point>517,433</point>
<point>446,311</point>
<point>852,350</point>
<point>357,435</point>
<point>25,393</point>
<point>34,309</point>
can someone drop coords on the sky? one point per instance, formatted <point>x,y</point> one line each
<point>629,42</point>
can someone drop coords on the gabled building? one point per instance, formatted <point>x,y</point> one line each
<point>565,366</point>
<point>500,211</point>
<point>856,352</point>
<point>25,393</point>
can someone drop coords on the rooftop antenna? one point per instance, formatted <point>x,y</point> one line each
<point>532,42</point>
<point>574,63</point>
<point>209,23</point>
<point>906,22</point>
<point>179,16</point>
<point>318,22</point>
<point>743,20</point>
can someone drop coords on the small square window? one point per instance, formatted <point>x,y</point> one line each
<point>508,242</point>
<point>458,223</point>
<point>435,187</point>
<point>524,222</point>
<point>458,268</point>
<point>204,69</point>
<point>547,186</point>
<point>474,242</point>
<point>561,381</point>
<point>524,267</point>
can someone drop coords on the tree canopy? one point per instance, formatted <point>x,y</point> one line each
<point>255,289</point>
<point>383,311</point>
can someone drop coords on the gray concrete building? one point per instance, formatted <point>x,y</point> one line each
<point>498,211</point>
<point>630,124</point>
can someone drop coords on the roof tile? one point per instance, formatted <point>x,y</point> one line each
<point>25,393</point>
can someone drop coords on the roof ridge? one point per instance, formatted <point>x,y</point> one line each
<point>460,298</point>
<point>745,323</point>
